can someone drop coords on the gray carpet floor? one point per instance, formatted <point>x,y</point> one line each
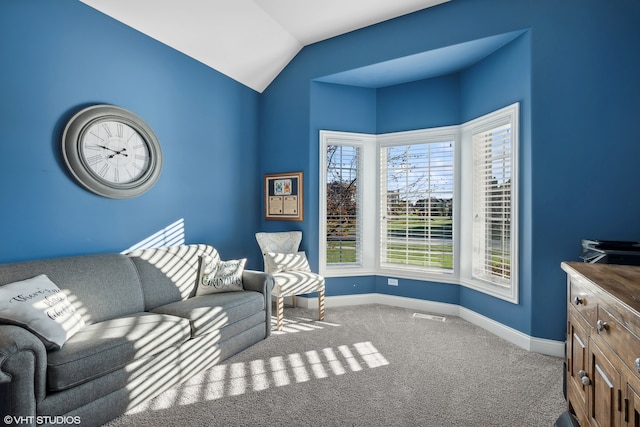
<point>370,365</point>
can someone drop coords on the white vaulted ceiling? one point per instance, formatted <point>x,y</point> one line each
<point>251,41</point>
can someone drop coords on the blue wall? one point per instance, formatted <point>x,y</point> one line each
<point>575,73</point>
<point>422,104</point>
<point>58,57</point>
<point>499,80</point>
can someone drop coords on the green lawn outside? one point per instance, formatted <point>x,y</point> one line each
<point>415,253</point>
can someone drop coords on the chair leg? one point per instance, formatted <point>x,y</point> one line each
<point>279,312</point>
<point>293,301</point>
<point>321,304</point>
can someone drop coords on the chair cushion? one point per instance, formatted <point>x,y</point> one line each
<point>208,313</point>
<point>104,347</point>
<point>286,242</point>
<point>289,283</point>
<point>286,262</point>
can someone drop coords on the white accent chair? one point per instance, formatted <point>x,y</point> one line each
<point>290,270</point>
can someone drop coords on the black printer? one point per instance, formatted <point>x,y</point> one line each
<point>611,252</point>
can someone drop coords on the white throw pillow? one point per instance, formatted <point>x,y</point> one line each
<point>220,276</point>
<point>287,262</point>
<point>38,305</point>
<point>207,269</point>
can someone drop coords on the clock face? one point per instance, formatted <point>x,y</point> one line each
<point>111,152</point>
<point>115,152</point>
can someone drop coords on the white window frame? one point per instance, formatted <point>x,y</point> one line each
<point>463,203</point>
<point>507,115</point>
<point>442,134</point>
<point>366,187</point>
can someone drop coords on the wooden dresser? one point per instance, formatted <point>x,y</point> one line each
<point>603,344</point>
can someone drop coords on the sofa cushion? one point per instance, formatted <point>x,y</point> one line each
<point>208,313</point>
<point>169,274</point>
<point>106,346</point>
<point>100,287</point>
<point>38,305</point>
<point>220,276</point>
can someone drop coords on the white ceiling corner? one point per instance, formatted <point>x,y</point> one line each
<point>251,41</point>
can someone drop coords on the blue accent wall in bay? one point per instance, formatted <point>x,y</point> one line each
<point>422,104</point>
<point>501,79</point>
<point>339,108</point>
<point>572,65</point>
<point>58,57</point>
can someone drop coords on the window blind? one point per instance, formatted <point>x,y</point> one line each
<point>343,205</point>
<point>417,184</point>
<point>493,162</point>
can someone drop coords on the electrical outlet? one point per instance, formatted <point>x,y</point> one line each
<point>392,282</point>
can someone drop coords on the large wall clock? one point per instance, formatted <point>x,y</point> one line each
<point>111,151</point>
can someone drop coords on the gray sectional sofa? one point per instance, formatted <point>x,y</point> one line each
<point>145,330</point>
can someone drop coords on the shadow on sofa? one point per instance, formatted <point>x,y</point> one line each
<point>146,328</point>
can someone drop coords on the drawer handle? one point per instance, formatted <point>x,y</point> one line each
<point>578,301</point>
<point>638,364</point>
<point>602,325</point>
<point>584,377</point>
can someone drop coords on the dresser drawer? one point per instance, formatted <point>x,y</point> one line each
<point>602,381</point>
<point>621,340</point>
<point>583,298</point>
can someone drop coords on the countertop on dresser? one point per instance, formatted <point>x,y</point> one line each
<point>622,281</point>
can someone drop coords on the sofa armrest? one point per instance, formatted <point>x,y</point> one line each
<point>23,369</point>
<point>259,281</point>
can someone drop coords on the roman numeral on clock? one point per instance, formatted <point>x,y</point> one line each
<point>93,160</point>
<point>103,170</point>
<point>107,129</point>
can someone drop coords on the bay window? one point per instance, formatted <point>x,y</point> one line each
<point>432,204</point>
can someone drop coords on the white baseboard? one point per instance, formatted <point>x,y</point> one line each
<point>538,345</point>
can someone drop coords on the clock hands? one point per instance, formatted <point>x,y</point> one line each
<point>115,152</point>
<point>107,148</point>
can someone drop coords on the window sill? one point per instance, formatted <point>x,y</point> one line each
<point>495,291</point>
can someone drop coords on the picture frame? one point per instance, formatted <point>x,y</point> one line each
<point>283,196</point>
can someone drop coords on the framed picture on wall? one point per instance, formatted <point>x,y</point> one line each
<point>283,198</point>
